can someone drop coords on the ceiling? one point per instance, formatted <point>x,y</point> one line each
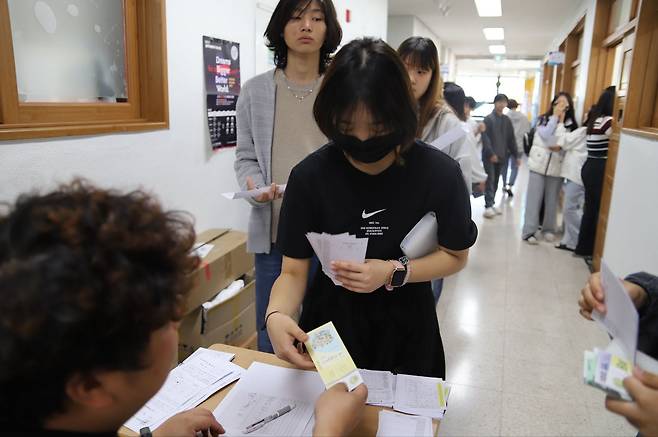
<point>530,25</point>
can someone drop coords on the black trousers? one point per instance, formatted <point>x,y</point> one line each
<point>593,173</point>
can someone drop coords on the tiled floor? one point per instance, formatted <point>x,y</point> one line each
<point>514,340</point>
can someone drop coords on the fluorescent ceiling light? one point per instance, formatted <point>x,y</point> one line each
<point>489,8</point>
<point>494,33</point>
<point>497,49</point>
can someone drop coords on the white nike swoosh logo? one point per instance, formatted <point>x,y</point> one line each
<point>367,216</point>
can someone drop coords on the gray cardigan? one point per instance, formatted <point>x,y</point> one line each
<point>253,155</point>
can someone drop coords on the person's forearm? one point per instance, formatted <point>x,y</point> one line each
<point>547,130</point>
<point>288,293</point>
<point>437,265</point>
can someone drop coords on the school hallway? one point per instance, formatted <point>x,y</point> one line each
<point>514,339</point>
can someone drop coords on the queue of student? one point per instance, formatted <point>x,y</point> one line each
<point>70,261</point>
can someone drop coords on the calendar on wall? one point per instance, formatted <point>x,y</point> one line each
<point>222,74</point>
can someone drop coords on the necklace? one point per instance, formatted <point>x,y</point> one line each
<point>300,93</point>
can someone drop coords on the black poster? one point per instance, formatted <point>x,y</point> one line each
<point>222,73</point>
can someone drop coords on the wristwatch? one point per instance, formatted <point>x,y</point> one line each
<point>400,274</point>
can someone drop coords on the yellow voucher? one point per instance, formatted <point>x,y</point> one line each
<point>331,357</point>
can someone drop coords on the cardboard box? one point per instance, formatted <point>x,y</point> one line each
<point>232,322</point>
<point>227,261</point>
<point>252,343</point>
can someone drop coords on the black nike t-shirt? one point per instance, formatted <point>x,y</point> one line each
<point>398,330</point>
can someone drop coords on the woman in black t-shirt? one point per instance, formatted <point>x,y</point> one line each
<point>372,180</point>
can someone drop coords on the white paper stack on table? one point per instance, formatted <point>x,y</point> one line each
<point>607,369</point>
<point>265,389</point>
<point>193,381</point>
<point>392,424</point>
<point>342,247</point>
<point>417,395</point>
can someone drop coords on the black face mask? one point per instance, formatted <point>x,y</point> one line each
<point>371,150</point>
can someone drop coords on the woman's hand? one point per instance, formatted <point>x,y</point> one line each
<point>555,148</point>
<point>363,277</point>
<point>188,423</point>
<point>283,331</point>
<point>642,413</point>
<point>338,412</point>
<point>271,194</point>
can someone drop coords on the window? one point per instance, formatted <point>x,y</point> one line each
<point>81,67</point>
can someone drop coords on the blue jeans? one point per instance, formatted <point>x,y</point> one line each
<point>268,269</point>
<point>511,162</point>
<point>437,288</point>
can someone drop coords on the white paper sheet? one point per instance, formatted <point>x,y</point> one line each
<point>450,137</point>
<point>261,391</point>
<point>393,424</point>
<point>419,395</point>
<point>193,381</point>
<point>381,387</point>
<point>342,247</point>
<point>621,319</point>
<point>252,193</point>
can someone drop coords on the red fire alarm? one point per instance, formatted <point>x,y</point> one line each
<point>348,15</point>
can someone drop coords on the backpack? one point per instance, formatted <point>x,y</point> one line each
<point>528,138</point>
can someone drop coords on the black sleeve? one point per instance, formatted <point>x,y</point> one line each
<point>648,333</point>
<point>296,217</point>
<point>453,210</point>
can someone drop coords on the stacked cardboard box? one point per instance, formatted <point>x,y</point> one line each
<point>232,322</point>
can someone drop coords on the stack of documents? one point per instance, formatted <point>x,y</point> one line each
<point>196,379</point>
<point>393,424</point>
<point>342,247</point>
<point>331,358</point>
<point>418,395</point>
<point>266,389</point>
<point>607,372</point>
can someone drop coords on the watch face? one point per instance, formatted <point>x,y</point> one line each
<point>398,278</point>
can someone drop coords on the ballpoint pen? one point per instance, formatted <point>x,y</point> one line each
<point>261,423</point>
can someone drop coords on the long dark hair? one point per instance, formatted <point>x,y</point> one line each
<point>281,16</point>
<point>603,107</point>
<point>357,76</point>
<point>422,53</point>
<point>569,115</point>
<point>455,97</point>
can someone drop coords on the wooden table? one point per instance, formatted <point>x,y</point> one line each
<point>244,358</point>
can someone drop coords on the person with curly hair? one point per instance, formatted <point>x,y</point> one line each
<point>92,286</point>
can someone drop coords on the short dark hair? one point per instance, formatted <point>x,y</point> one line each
<point>367,71</point>
<point>512,104</point>
<point>470,101</point>
<point>86,275</point>
<point>281,16</point>
<point>500,97</point>
<point>456,98</point>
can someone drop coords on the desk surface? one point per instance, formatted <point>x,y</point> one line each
<point>244,358</point>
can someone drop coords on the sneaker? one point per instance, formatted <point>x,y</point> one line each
<point>497,210</point>
<point>509,192</point>
<point>564,247</point>
<point>489,213</point>
<point>549,237</point>
<point>532,240</point>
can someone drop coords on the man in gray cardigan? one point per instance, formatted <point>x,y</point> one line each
<point>496,151</point>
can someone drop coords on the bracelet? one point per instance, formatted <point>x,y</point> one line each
<point>264,327</point>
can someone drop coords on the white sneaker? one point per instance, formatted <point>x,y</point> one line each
<point>497,210</point>
<point>549,237</point>
<point>532,240</point>
<point>489,213</point>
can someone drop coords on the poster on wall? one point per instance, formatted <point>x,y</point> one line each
<point>222,73</point>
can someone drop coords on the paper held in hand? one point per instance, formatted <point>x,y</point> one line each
<point>331,358</point>
<point>342,247</point>
<point>251,194</point>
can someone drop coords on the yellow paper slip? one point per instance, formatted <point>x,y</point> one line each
<point>331,357</point>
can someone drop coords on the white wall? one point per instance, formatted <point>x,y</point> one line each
<point>175,164</point>
<point>586,8</point>
<point>632,237</point>
<point>400,27</point>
